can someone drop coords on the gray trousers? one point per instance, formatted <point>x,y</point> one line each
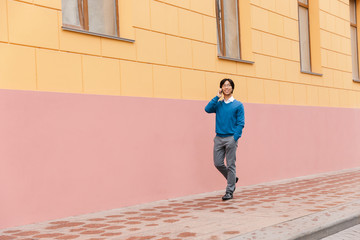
<point>226,147</point>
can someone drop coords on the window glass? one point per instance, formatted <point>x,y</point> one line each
<point>231,28</point>
<point>102,17</point>
<point>352,12</point>
<point>304,39</point>
<point>354,55</point>
<point>304,1</point>
<point>354,40</point>
<point>228,28</point>
<point>219,26</point>
<point>70,12</point>
<point>97,16</point>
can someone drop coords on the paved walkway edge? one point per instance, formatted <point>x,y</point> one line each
<point>310,227</point>
<point>330,229</point>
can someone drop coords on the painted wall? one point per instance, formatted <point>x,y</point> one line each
<point>68,154</point>
<point>175,52</point>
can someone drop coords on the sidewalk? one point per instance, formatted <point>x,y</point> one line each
<point>254,213</point>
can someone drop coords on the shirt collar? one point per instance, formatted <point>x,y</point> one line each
<point>231,99</point>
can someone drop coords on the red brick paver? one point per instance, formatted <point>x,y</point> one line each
<point>205,216</point>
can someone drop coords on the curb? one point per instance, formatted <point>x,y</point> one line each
<point>310,227</point>
<point>329,229</point>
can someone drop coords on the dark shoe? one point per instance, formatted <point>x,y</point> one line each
<point>227,196</point>
<point>237,179</point>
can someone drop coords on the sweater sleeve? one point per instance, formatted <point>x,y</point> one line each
<point>211,106</point>
<point>240,122</point>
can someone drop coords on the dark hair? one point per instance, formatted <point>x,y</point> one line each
<point>230,81</point>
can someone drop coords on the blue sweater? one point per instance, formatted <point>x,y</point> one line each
<point>230,119</point>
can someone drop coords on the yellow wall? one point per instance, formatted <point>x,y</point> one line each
<point>175,52</point>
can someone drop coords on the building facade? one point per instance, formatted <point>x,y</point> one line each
<point>103,101</point>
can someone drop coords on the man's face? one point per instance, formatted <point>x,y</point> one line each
<point>226,88</point>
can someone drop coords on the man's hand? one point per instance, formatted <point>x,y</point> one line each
<point>219,94</point>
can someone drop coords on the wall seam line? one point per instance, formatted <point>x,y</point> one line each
<point>38,5</point>
<point>271,11</point>
<point>7,22</point>
<point>82,75</point>
<point>186,9</point>
<point>36,70</point>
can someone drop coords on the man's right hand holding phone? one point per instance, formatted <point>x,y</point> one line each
<point>219,94</point>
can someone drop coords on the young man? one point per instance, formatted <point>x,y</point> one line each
<point>230,122</point>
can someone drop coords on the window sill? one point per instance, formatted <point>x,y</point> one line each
<point>356,80</point>
<point>312,73</point>
<point>235,60</point>
<point>97,34</point>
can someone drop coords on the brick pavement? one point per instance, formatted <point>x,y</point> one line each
<point>204,216</point>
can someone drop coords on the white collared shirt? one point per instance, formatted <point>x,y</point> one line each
<point>229,100</point>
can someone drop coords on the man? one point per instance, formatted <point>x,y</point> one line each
<point>230,122</point>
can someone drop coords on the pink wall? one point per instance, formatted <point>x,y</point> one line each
<point>69,154</point>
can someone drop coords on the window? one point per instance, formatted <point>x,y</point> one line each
<point>304,35</point>
<point>228,28</point>
<point>354,44</point>
<point>93,16</point>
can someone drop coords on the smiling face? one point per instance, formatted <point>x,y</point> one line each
<point>227,88</point>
